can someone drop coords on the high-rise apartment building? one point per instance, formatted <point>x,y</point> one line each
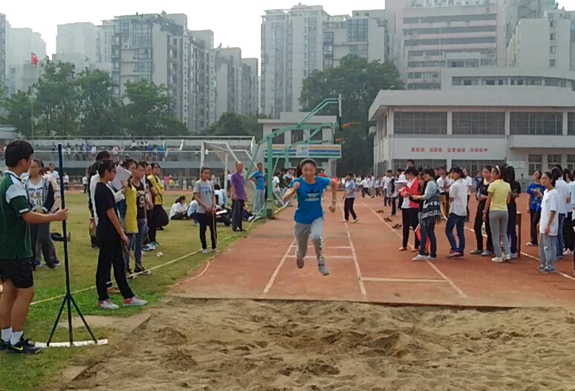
<point>300,40</point>
<point>76,44</point>
<point>21,43</point>
<point>364,34</point>
<point>202,84</point>
<point>547,42</point>
<point>3,28</point>
<point>236,82</point>
<point>433,34</point>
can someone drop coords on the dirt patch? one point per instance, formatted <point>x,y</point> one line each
<point>262,346</point>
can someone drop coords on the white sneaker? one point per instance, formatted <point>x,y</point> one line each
<point>497,260</point>
<point>355,221</point>
<point>567,252</point>
<point>344,221</point>
<point>419,258</point>
<point>214,250</point>
<point>107,305</point>
<point>205,251</point>
<point>507,257</point>
<point>135,302</point>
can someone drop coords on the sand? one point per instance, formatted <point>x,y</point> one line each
<point>266,346</point>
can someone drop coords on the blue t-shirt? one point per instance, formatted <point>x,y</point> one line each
<point>534,202</point>
<point>309,200</point>
<point>350,189</point>
<point>260,180</point>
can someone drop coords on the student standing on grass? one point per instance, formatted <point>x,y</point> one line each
<point>535,191</point>
<point>15,249</point>
<point>136,222</point>
<point>158,195</point>
<point>457,213</point>
<point>549,225</point>
<point>112,242</point>
<point>410,209</point>
<point>349,198</point>
<point>309,214</point>
<point>499,195</point>
<point>40,194</point>
<point>482,195</point>
<point>430,214</point>
<point>238,194</point>
<point>205,195</point>
<point>259,179</point>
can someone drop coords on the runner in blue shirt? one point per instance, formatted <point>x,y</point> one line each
<point>309,214</point>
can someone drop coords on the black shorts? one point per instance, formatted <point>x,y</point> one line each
<point>18,271</point>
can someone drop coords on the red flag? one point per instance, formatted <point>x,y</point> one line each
<point>34,59</point>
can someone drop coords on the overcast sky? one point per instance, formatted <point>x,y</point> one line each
<point>234,23</point>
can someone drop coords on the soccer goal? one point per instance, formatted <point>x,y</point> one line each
<point>222,159</point>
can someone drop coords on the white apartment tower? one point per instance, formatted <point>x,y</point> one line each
<point>236,82</point>
<point>547,42</point>
<point>303,39</point>
<point>292,44</point>
<point>76,43</point>
<point>3,28</point>
<point>202,82</point>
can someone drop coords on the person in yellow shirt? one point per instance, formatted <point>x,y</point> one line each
<point>498,196</point>
<point>157,190</point>
<point>136,221</point>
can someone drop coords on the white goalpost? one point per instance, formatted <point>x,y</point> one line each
<point>222,160</point>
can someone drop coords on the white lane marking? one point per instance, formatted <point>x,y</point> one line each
<point>277,270</point>
<point>353,253</point>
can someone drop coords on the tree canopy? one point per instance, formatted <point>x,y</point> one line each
<point>67,104</point>
<point>359,82</point>
<point>232,124</point>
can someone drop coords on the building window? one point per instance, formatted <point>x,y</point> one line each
<point>543,124</point>
<point>475,166</point>
<point>553,160</point>
<point>478,123</point>
<point>535,163</point>
<point>420,123</point>
<point>279,139</point>
<point>571,162</point>
<point>552,36</point>
<point>571,124</point>
<point>296,135</point>
<point>316,137</point>
<point>552,23</point>
<point>400,163</point>
<point>552,62</point>
<point>552,49</point>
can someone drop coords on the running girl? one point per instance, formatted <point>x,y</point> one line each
<point>309,214</point>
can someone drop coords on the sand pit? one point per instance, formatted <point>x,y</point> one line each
<point>246,345</point>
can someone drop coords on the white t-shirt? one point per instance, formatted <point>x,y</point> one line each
<point>372,183</point>
<point>385,183</point>
<point>364,183</point>
<point>36,194</point>
<point>276,182</point>
<point>400,182</point>
<point>54,175</point>
<point>66,179</point>
<point>551,203</point>
<point>468,181</point>
<point>458,192</point>
<point>178,207</point>
<point>444,184</point>
<point>563,190</point>
<point>85,181</point>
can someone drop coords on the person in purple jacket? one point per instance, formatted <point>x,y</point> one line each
<point>238,197</point>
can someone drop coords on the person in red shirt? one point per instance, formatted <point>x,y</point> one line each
<point>322,174</point>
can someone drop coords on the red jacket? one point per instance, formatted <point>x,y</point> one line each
<point>413,190</point>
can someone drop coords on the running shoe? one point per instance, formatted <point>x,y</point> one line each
<point>419,258</point>
<point>531,244</point>
<point>215,250</point>
<point>548,271</point>
<point>205,251</point>
<point>431,259</point>
<point>142,270</point>
<point>476,252</point>
<point>497,260</point>
<point>453,254</point>
<point>486,253</point>
<point>135,302</point>
<point>107,305</point>
<point>322,269</point>
<point>355,221</point>
<point>300,263</point>
<point>507,257</point>
<point>23,347</point>
<point>4,346</point>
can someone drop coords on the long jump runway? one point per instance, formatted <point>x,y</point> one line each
<point>366,266</point>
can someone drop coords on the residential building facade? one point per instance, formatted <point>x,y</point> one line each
<point>236,82</point>
<point>3,50</point>
<point>202,80</point>
<point>300,40</point>
<point>76,44</point>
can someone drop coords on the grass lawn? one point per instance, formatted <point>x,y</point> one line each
<point>43,371</point>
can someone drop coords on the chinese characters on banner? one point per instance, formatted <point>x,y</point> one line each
<point>449,150</point>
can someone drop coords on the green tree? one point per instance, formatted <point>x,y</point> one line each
<point>100,111</point>
<point>359,82</point>
<point>232,124</point>
<point>148,111</point>
<point>19,113</point>
<point>56,102</point>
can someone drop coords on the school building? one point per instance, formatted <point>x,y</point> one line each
<point>471,124</point>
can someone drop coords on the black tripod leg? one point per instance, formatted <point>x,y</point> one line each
<point>83,319</point>
<point>57,320</point>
